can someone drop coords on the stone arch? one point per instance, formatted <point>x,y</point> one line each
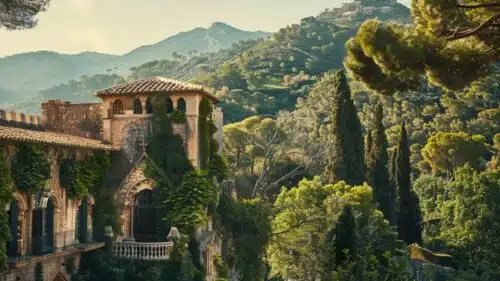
<point>56,200</point>
<point>23,205</point>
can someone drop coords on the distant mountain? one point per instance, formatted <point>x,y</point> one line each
<point>24,75</point>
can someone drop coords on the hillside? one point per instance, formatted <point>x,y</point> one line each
<point>28,73</point>
<point>277,69</point>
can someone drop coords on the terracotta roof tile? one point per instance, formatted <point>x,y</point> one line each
<point>18,134</point>
<point>154,85</point>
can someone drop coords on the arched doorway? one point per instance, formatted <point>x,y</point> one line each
<point>144,217</point>
<point>82,222</point>
<point>43,229</point>
<point>14,225</point>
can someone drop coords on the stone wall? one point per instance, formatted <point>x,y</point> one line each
<point>83,120</point>
<point>66,244</point>
<point>20,120</point>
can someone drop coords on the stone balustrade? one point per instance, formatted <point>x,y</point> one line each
<point>142,251</point>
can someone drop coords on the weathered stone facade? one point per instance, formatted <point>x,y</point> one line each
<point>65,241</point>
<point>74,119</point>
<point>120,122</point>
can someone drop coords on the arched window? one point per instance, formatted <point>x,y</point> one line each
<point>117,107</point>
<point>149,106</point>
<point>137,106</point>
<point>43,229</point>
<point>81,227</point>
<point>15,229</point>
<point>170,105</point>
<point>181,105</point>
<point>144,216</point>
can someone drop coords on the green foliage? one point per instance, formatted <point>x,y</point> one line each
<point>444,45</point>
<point>345,158</point>
<point>247,224</point>
<point>80,176</point>
<point>218,168</point>
<point>409,217</point>
<point>106,211</point>
<point>221,268</point>
<point>30,169</point>
<point>340,242</point>
<point>21,14</point>
<point>187,202</point>
<point>445,151</point>
<point>5,199</point>
<point>470,220</point>
<point>306,213</point>
<point>177,117</point>
<point>377,173</point>
<point>206,129</point>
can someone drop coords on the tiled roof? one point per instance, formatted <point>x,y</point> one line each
<point>154,85</point>
<point>18,134</point>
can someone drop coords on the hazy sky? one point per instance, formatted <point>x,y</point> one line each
<point>118,26</point>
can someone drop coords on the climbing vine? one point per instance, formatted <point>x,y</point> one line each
<point>177,117</point>
<point>206,128</point>
<point>30,169</point>
<point>80,176</point>
<point>5,198</point>
<point>218,168</point>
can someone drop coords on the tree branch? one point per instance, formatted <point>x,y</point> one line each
<point>459,34</point>
<point>474,6</point>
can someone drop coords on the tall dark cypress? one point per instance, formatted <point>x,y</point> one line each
<point>378,162</point>
<point>409,227</point>
<point>346,160</point>
<point>368,146</point>
<point>339,240</point>
<point>393,189</point>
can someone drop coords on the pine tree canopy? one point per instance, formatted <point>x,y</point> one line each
<point>20,14</point>
<point>451,44</point>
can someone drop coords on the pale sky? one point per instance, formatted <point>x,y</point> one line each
<point>118,26</point>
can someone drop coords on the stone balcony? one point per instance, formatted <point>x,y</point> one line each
<point>155,251</point>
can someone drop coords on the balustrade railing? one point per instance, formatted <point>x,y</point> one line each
<point>142,251</point>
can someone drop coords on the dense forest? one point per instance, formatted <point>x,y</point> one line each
<point>360,149</point>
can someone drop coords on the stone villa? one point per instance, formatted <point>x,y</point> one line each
<point>117,125</point>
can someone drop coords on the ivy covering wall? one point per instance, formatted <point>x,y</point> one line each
<point>31,168</point>
<point>5,198</point>
<point>80,176</point>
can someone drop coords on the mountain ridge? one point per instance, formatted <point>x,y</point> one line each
<point>28,73</point>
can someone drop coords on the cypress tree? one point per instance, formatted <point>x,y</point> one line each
<point>393,189</point>
<point>377,165</point>
<point>368,146</point>
<point>346,159</point>
<point>409,227</point>
<point>340,242</point>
